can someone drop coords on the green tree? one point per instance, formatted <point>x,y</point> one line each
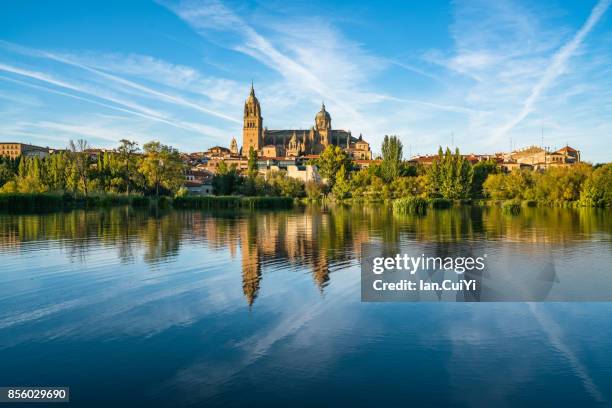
<point>495,187</point>
<point>127,154</point>
<point>313,190</point>
<point>281,185</point>
<point>392,153</point>
<point>561,184</point>
<point>482,170</point>
<point>597,188</point>
<point>29,176</point>
<point>162,167</point>
<point>450,176</point>
<point>6,173</point>
<point>342,187</point>
<point>518,184</point>
<point>252,168</point>
<point>226,181</point>
<point>81,165</point>
<point>57,169</point>
<point>330,161</point>
<point>407,187</point>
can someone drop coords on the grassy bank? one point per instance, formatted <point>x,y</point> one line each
<point>47,202</point>
<point>418,205</point>
<point>228,202</point>
<point>410,205</point>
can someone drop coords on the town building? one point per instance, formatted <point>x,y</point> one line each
<point>14,150</point>
<point>530,158</point>
<point>306,173</point>
<point>539,158</point>
<point>218,152</point>
<point>198,182</point>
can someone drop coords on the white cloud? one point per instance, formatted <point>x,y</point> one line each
<point>512,69</point>
<point>557,66</point>
<point>314,60</point>
<point>521,71</point>
<point>102,97</point>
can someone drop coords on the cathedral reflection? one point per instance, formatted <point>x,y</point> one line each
<point>314,239</point>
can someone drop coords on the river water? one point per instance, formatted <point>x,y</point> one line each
<point>188,308</point>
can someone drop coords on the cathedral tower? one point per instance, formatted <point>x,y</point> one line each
<point>234,147</point>
<point>252,132</point>
<point>323,126</point>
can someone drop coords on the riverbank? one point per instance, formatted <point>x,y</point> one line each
<point>442,203</point>
<point>49,202</point>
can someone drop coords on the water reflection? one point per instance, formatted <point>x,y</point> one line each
<point>313,239</point>
<point>238,307</point>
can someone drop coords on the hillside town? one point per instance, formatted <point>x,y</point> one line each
<point>293,151</point>
<point>202,166</point>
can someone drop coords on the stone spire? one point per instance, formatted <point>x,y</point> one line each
<point>252,131</point>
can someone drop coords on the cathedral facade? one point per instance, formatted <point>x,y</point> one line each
<point>294,142</point>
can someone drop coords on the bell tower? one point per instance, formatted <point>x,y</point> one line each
<point>252,131</point>
<point>323,126</point>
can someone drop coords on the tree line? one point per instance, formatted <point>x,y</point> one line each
<point>452,177</point>
<point>154,170</point>
<point>157,169</point>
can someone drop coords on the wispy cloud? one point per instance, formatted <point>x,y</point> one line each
<point>504,69</point>
<point>170,73</point>
<point>312,58</point>
<point>49,79</point>
<point>519,70</point>
<point>556,66</point>
<point>104,97</point>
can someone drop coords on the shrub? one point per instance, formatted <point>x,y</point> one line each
<point>597,189</point>
<point>512,207</point>
<point>314,190</point>
<point>410,205</point>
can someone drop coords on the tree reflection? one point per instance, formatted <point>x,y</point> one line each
<point>315,239</point>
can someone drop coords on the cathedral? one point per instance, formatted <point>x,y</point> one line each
<point>294,142</point>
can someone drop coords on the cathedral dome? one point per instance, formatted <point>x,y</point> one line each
<point>323,114</point>
<point>323,120</point>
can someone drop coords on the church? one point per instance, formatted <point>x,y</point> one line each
<point>293,142</point>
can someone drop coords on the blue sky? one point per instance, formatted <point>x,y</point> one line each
<point>482,74</point>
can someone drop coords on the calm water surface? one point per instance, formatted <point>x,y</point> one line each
<point>196,309</point>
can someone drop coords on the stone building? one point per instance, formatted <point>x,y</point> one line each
<point>539,158</point>
<point>14,150</point>
<point>296,142</point>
